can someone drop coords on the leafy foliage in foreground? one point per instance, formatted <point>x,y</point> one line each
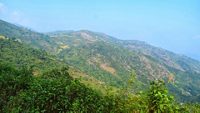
<point>159,100</point>
<point>55,91</point>
<point>12,81</point>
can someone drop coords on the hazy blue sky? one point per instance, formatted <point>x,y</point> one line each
<point>170,24</point>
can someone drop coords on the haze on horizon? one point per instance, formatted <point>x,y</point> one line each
<point>171,24</point>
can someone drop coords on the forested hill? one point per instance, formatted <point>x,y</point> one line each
<point>110,60</point>
<point>22,56</point>
<point>28,36</point>
<point>33,81</point>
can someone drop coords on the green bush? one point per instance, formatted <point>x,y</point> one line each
<point>159,100</point>
<point>56,91</point>
<point>12,82</point>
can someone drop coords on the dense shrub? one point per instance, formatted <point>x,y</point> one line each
<point>12,82</point>
<point>159,100</point>
<point>56,91</point>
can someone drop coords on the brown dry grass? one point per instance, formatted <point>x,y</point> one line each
<point>108,68</point>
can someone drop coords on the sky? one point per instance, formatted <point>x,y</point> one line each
<point>170,24</point>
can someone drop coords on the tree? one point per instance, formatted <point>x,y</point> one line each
<point>159,100</point>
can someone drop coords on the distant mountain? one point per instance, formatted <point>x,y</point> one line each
<point>37,40</point>
<point>111,60</point>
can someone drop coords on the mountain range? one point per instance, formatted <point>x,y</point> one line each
<point>106,60</point>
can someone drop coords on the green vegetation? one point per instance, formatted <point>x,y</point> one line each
<point>159,100</point>
<point>109,60</point>
<point>91,72</point>
<point>55,91</point>
<point>22,34</point>
<point>20,55</point>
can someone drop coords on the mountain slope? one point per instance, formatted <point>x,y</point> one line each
<point>114,59</point>
<point>110,60</point>
<point>20,56</point>
<point>21,34</point>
